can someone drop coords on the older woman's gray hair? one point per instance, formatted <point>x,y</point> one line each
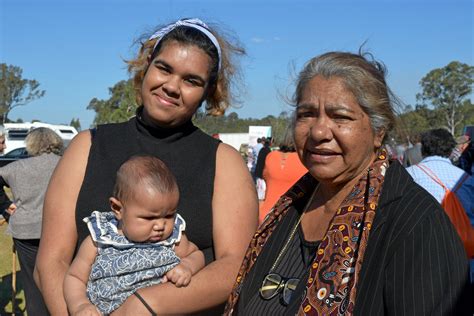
<point>364,78</point>
<point>43,140</point>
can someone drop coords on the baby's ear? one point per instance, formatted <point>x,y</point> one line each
<point>116,207</point>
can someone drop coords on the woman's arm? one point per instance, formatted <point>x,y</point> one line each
<point>75,281</point>
<point>59,235</point>
<point>235,216</point>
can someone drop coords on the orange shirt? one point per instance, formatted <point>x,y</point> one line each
<point>281,171</point>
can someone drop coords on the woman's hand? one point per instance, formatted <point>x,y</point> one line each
<point>11,209</point>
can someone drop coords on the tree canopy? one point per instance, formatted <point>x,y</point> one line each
<point>118,108</point>
<point>15,90</point>
<point>447,89</point>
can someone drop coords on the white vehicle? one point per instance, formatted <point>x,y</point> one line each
<point>15,133</point>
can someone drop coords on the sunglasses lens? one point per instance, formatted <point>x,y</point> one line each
<point>270,286</point>
<point>288,289</point>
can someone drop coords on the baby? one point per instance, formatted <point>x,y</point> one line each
<point>140,243</point>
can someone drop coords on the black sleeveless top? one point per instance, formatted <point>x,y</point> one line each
<point>186,150</point>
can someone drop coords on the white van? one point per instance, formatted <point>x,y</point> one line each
<point>15,133</point>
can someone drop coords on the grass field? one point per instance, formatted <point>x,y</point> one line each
<point>6,259</point>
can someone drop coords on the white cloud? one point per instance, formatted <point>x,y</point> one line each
<point>258,40</point>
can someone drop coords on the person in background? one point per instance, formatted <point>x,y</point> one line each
<point>6,206</point>
<point>262,155</point>
<point>356,235</point>
<point>180,67</point>
<point>436,147</point>
<point>141,242</point>
<point>28,179</point>
<point>258,146</point>
<point>462,143</point>
<point>465,161</point>
<point>282,169</point>
<point>2,140</point>
<point>255,151</point>
<point>412,155</point>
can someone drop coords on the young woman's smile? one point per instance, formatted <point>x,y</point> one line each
<point>175,84</point>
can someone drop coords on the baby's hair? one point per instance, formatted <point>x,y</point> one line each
<point>141,171</point>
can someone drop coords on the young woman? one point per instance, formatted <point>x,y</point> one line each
<point>177,69</point>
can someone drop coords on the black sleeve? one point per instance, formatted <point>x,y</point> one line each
<point>4,200</point>
<point>428,274</point>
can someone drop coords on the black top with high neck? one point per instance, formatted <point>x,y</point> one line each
<point>186,150</point>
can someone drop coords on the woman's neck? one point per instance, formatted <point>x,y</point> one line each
<point>331,195</point>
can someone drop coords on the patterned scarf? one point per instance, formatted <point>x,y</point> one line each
<point>331,286</point>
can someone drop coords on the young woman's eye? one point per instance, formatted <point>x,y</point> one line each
<point>162,68</point>
<point>194,82</point>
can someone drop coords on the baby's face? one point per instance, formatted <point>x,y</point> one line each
<point>149,216</point>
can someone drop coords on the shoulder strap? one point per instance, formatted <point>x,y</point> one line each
<point>460,182</point>
<point>431,174</point>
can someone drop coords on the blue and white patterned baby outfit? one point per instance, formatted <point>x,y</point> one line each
<point>121,266</point>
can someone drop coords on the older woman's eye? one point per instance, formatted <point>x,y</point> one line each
<point>341,117</point>
<point>304,114</point>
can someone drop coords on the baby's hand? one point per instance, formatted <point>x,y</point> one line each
<point>87,310</point>
<point>179,275</point>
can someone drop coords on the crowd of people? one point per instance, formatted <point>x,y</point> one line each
<point>153,216</point>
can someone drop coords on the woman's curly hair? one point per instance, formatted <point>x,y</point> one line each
<point>219,95</point>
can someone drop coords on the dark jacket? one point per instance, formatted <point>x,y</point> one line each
<point>414,263</point>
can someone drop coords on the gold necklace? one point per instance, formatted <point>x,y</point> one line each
<point>293,231</point>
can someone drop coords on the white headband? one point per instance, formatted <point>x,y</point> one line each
<point>194,23</point>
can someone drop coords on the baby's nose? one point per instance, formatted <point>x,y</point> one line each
<point>158,226</point>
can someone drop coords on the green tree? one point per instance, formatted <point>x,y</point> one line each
<point>16,91</point>
<point>118,108</point>
<point>410,124</point>
<point>76,124</point>
<point>446,89</point>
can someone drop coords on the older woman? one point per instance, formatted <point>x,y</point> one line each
<point>355,235</point>
<point>177,69</point>
<point>28,179</point>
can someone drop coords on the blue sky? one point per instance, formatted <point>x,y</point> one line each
<point>75,48</point>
